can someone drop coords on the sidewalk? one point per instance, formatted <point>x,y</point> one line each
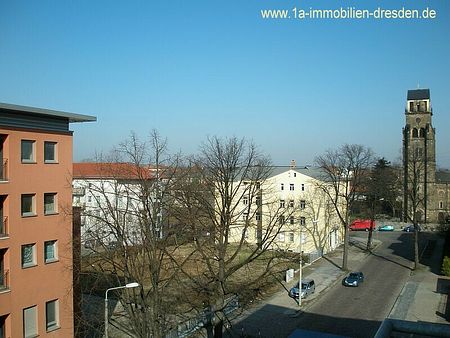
<point>326,272</point>
<point>424,297</point>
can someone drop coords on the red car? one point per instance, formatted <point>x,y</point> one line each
<point>362,225</point>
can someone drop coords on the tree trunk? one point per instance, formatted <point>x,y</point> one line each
<point>416,246</point>
<point>369,239</point>
<point>346,242</point>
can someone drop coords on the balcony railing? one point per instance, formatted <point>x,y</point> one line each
<point>4,227</point>
<point>4,280</point>
<point>4,170</point>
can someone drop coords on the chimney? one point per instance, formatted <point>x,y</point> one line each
<point>293,164</point>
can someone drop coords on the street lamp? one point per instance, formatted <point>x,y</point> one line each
<point>127,286</point>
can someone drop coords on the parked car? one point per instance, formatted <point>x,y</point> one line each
<point>410,228</point>
<point>353,279</point>
<point>386,228</point>
<point>362,224</point>
<point>308,287</point>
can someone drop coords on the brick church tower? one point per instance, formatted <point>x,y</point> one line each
<point>419,158</point>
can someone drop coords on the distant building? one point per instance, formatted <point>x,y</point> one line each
<point>291,197</point>
<point>113,202</point>
<point>36,295</point>
<point>423,185</point>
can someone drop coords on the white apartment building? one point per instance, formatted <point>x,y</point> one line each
<point>114,209</point>
<point>291,196</point>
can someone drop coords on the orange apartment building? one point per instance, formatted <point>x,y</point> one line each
<point>36,292</point>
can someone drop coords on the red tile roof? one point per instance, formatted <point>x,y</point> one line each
<point>112,170</point>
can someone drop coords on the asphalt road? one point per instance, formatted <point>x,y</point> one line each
<point>358,311</point>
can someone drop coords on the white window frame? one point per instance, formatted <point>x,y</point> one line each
<point>291,187</point>
<point>245,200</point>
<point>302,204</point>
<point>33,255</point>
<point>55,151</point>
<point>282,186</point>
<point>54,245</point>
<point>302,221</point>
<point>52,324</point>
<point>291,203</point>
<point>291,220</point>
<point>281,237</point>
<point>32,212</point>
<point>282,203</point>
<point>33,151</point>
<point>55,203</point>
<point>30,327</point>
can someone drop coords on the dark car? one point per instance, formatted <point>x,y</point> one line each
<point>353,279</point>
<point>410,228</point>
<point>308,287</point>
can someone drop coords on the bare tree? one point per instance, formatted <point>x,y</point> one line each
<point>317,207</point>
<point>415,194</point>
<point>223,205</point>
<point>344,173</point>
<point>127,226</point>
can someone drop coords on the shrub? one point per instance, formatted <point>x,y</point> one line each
<point>446,266</point>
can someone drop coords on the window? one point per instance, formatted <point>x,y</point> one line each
<point>30,322</point>
<point>303,187</point>
<point>51,315</point>
<point>291,203</point>
<point>49,203</point>
<point>2,326</point>
<point>281,237</point>
<point>282,203</point>
<point>258,200</point>
<point>28,255</point>
<point>27,149</point>
<point>441,205</point>
<point>291,237</point>
<point>295,174</point>
<point>281,220</point>
<point>291,220</point>
<point>282,186</point>
<point>302,221</point>
<point>302,204</point>
<point>291,187</point>
<point>50,152</point>
<point>245,200</point>
<point>28,208</point>
<point>258,216</point>
<point>50,252</point>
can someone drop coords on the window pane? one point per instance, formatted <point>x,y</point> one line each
<point>29,322</point>
<point>51,314</point>
<point>27,150</point>
<point>49,250</point>
<point>27,204</point>
<point>49,203</point>
<point>27,254</point>
<point>49,151</point>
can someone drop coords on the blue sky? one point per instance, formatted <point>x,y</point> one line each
<point>196,68</point>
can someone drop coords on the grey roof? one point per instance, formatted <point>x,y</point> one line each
<point>418,94</point>
<point>313,172</point>
<point>443,176</point>
<point>40,111</point>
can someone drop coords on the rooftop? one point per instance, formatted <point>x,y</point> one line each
<point>47,112</point>
<point>418,94</point>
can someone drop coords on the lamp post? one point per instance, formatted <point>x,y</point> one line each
<point>127,286</point>
<point>300,271</point>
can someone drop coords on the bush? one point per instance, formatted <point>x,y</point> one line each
<point>446,266</point>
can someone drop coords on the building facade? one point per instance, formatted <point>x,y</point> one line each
<point>425,189</point>
<point>36,296</point>
<point>114,198</point>
<point>292,198</point>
